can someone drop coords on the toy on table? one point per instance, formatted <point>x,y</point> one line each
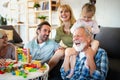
<point>23,55</point>
<point>22,65</point>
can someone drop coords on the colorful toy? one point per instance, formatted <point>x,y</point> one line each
<point>21,69</point>
<point>23,55</point>
<point>22,65</point>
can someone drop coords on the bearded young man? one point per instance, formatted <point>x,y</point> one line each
<point>77,56</point>
<point>41,47</point>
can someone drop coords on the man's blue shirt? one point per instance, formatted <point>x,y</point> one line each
<point>42,52</point>
<point>82,72</point>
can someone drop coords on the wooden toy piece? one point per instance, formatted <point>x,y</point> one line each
<point>16,55</point>
<point>22,54</point>
<point>37,63</point>
<point>28,56</point>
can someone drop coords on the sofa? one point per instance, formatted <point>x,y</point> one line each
<point>110,40</point>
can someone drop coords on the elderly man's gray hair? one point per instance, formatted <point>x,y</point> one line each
<point>88,33</point>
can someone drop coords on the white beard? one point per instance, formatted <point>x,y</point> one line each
<point>80,47</point>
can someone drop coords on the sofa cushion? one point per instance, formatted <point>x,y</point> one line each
<point>109,40</point>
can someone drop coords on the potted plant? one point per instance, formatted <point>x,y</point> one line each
<point>42,18</point>
<point>36,6</point>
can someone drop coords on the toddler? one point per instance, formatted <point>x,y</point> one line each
<point>88,11</point>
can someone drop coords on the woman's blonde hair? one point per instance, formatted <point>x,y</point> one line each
<point>68,8</point>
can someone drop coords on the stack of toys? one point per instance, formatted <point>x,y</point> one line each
<point>23,55</point>
<point>23,64</point>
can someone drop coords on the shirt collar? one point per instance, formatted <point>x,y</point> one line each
<point>42,44</point>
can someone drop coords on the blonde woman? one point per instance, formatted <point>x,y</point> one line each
<point>67,20</point>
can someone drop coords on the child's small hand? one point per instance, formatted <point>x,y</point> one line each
<point>89,28</point>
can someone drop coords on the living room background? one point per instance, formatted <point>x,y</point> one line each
<point>107,12</point>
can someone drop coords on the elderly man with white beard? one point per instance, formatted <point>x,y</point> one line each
<point>83,69</point>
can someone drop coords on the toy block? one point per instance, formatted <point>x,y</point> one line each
<point>23,55</point>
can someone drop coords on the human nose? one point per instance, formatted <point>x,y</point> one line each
<point>86,19</point>
<point>77,38</point>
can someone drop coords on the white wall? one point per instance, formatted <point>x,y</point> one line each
<point>107,13</point>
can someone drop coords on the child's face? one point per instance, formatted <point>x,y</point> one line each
<point>87,16</point>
